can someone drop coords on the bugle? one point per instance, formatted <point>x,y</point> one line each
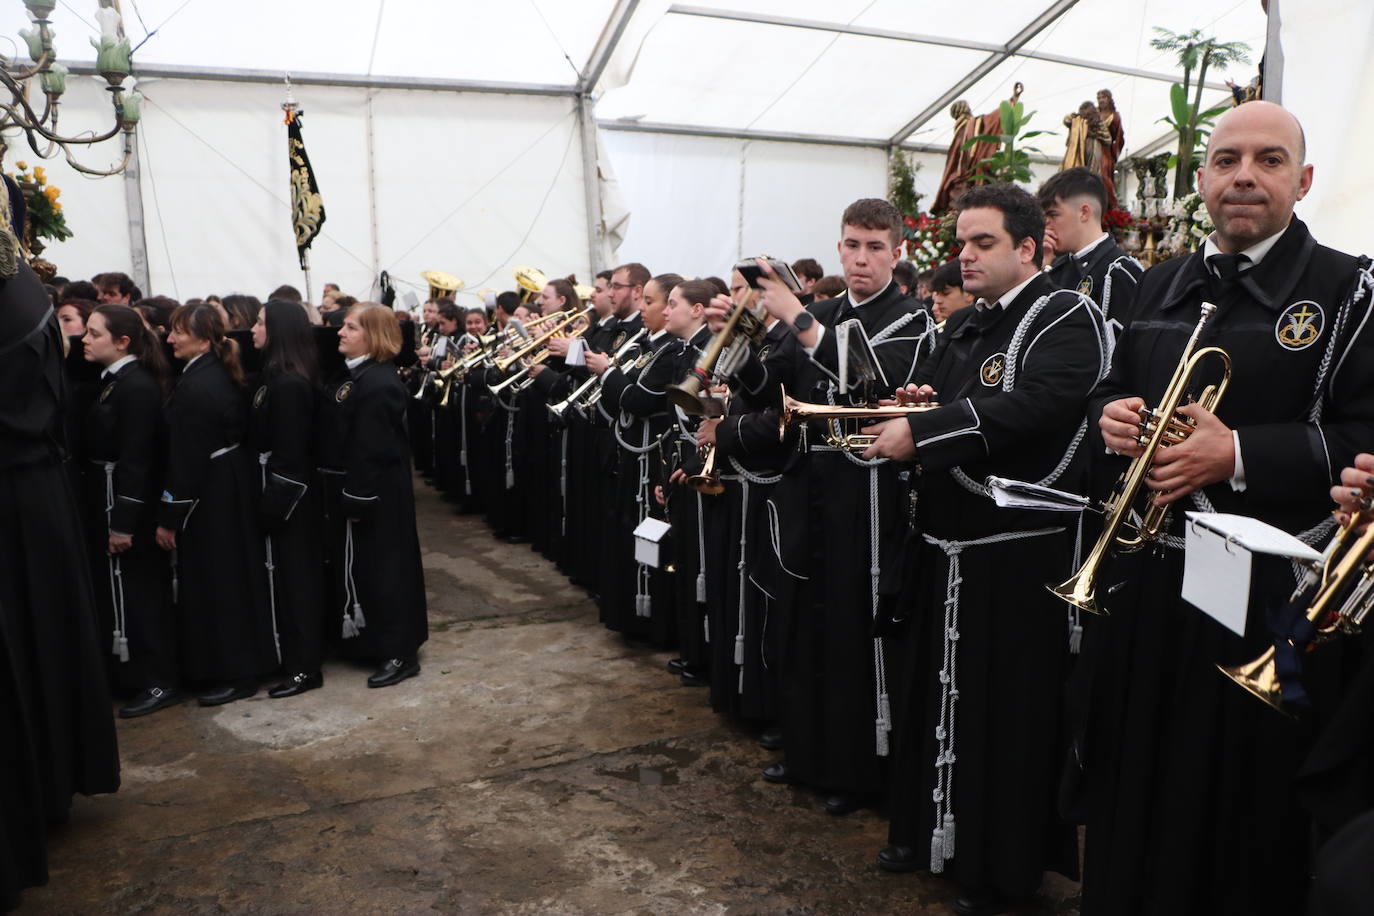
<point>687,394</point>
<point>560,409</point>
<point>1160,427</point>
<point>1342,595</point>
<point>521,379</point>
<point>795,411</point>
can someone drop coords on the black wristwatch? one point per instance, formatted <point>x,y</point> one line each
<point>803,321</point>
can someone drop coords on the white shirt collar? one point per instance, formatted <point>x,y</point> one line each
<point>856,302</point>
<point>120,363</point>
<point>355,362</point>
<point>657,334</point>
<point>1255,252</point>
<point>192,361</point>
<point>1083,252</point>
<point>1008,297</point>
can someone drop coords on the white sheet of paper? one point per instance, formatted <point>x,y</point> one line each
<point>577,352</point>
<point>1254,535</point>
<point>1017,494</point>
<point>1216,577</point>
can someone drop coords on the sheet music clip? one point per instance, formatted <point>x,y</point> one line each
<point>1219,551</point>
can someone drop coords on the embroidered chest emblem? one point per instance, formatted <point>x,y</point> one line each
<point>993,367</point>
<point>105,393</point>
<point>763,353</point>
<point>644,360</point>
<point>1085,286</point>
<point>344,390</point>
<point>619,340</point>
<point>259,396</point>
<point>1300,325</point>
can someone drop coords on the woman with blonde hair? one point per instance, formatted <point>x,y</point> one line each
<point>367,448</point>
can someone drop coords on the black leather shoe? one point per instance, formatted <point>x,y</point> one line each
<point>297,684</point>
<point>777,773</point>
<point>771,738</point>
<point>150,701</point>
<point>973,902</point>
<point>393,672</point>
<point>692,678</point>
<point>227,694</point>
<point>842,803</point>
<point>897,859</point>
<point>676,665</point>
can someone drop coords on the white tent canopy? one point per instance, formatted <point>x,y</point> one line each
<point>463,136</point>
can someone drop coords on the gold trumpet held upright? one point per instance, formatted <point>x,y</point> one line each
<point>1162,426</point>
<point>795,411</point>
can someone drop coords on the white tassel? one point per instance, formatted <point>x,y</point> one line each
<point>739,650</point>
<point>510,479</point>
<point>358,620</point>
<point>122,648</point>
<point>1076,639</point>
<point>741,680</point>
<point>701,588</point>
<point>881,730</point>
<point>114,642</point>
<point>706,628</point>
<point>949,836</point>
<point>349,630</point>
<point>937,851</point>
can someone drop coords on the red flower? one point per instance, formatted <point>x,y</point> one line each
<point>910,223</point>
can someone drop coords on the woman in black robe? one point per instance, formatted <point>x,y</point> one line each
<point>57,736</point>
<point>121,434</point>
<point>280,421</point>
<point>384,616</point>
<point>207,518</point>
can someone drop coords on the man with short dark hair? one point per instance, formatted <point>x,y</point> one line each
<point>833,513</point>
<point>947,291</point>
<point>116,288</point>
<point>904,273</point>
<point>978,742</point>
<point>291,294</point>
<point>808,271</point>
<point>1087,257</point>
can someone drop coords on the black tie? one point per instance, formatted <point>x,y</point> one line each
<point>1227,266</point>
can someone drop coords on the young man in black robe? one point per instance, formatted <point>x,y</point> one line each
<point>1089,259</point>
<point>833,512</point>
<point>1187,779</point>
<point>979,723</point>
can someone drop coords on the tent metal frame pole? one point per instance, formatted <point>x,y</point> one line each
<point>1037,25</point>
<point>893,35</point>
<point>133,205</point>
<point>606,43</point>
<point>691,130</point>
<point>275,77</point>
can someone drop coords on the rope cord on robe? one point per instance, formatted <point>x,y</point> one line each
<point>942,838</point>
<point>701,559</point>
<point>643,599</point>
<point>463,445</point>
<point>353,620</point>
<point>270,563</point>
<point>563,482</point>
<point>742,567</point>
<point>120,644</point>
<point>510,457</point>
<point>883,721</point>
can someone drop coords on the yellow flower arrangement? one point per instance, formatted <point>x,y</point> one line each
<point>44,209</point>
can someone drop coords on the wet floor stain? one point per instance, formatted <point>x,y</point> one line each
<point>655,773</point>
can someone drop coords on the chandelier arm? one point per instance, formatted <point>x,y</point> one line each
<point>46,61</point>
<point>71,160</point>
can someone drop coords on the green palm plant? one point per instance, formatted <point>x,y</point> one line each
<point>1012,161</point>
<point>1197,53</point>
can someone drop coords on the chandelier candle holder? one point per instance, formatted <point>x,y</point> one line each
<point>48,77</point>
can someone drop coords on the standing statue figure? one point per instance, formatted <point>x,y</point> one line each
<point>1087,138</point>
<point>960,162</point>
<point>1111,151</point>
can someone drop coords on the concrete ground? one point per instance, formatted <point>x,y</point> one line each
<point>538,765</point>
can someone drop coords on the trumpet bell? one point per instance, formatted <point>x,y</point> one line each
<point>1260,677</point>
<point>1081,592</point>
<point>706,484</point>
<point>686,394</point>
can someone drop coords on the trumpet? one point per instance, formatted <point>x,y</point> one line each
<point>707,480</point>
<point>795,411</point>
<point>1342,590</point>
<point>560,409</point>
<point>522,379</point>
<point>686,394</point>
<point>1160,427</point>
<point>487,344</point>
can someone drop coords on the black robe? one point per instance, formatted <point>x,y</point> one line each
<point>210,498</point>
<point>123,433</point>
<point>822,516</point>
<point>57,734</point>
<point>1187,779</point>
<point>1107,275</point>
<point>281,432</point>
<point>1014,410</point>
<point>384,585</point>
